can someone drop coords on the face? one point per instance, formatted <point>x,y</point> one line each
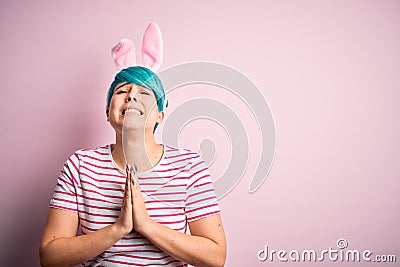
<point>133,107</point>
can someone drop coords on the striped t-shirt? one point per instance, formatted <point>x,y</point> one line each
<point>177,190</point>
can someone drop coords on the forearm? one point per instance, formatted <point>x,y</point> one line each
<point>70,251</point>
<point>195,250</point>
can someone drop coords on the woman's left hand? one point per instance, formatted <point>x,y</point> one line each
<point>139,213</point>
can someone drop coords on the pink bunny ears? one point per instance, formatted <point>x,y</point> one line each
<point>124,54</point>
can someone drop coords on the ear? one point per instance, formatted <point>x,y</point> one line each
<point>152,47</point>
<point>108,114</point>
<point>124,54</point>
<point>160,117</point>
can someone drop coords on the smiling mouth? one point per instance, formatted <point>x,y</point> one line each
<point>132,110</point>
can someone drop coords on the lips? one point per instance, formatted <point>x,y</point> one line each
<point>132,110</point>
<point>135,110</point>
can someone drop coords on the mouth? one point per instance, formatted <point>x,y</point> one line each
<point>132,110</point>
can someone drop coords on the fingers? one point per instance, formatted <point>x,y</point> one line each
<point>125,222</point>
<point>135,176</point>
<point>127,192</point>
<point>135,184</point>
<point>131,186</point>
<point>127,201</point>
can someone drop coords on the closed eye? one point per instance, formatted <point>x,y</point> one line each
<point>121,92</point>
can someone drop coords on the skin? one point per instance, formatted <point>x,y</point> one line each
<point>206,246</point>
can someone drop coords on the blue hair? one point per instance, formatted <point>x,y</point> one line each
<point>144,77</point>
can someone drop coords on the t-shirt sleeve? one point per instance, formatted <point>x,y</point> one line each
<point>201,200</point>
<point>64,196</point>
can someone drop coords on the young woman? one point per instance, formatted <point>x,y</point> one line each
<point>139,217</point>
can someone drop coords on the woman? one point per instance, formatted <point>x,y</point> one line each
<point>137,218</point>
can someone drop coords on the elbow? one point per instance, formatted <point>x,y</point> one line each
<point>220,260</point>
<point>44,261</point>
<point>43,264</point>
<point>42,258</point>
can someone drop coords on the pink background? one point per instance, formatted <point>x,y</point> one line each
<point>328,69</point>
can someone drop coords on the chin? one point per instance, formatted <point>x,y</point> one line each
<point>132,127</point>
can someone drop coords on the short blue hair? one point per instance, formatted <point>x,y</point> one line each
<point>144,77</point>
<point>141,76</point>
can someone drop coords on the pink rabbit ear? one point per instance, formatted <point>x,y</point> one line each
<point>124,54</point>
<point>152,47</point>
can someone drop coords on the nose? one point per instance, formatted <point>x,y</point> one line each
<point>131,96</point>
<point>129,99</point>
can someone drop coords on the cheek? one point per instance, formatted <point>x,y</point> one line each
<point>152,116</point>
<point>151,105</point>
<point>116,103</point>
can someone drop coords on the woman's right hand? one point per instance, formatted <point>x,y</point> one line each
<point>124,222</point>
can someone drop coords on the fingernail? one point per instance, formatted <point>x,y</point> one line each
<point>133,176</point>
<point>127,169</point>
<point>134,165</point>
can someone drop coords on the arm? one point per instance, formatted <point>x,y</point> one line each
<point>206,246</point>
<point>61,247</point>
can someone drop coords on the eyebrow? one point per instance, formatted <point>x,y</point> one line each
<point>121,85</point>
<point>126,83</point>
<point>147,89</point>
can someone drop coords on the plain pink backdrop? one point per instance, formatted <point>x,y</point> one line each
<point>328,69</point>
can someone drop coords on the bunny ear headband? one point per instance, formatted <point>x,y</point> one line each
<point>124,57</point>
<point>124,54</point>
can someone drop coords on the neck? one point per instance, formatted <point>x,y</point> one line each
<point>139,148</point>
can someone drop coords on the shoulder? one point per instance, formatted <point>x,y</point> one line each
<point>178,152</point>
<point>102,151</point>
<point>98,154</point>
<point>182,155</point>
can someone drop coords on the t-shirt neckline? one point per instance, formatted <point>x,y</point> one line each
<point>143,172</point>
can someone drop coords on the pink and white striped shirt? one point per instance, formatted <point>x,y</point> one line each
<point>177,190</point>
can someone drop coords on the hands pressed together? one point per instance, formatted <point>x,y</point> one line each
<point>133,214</point>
